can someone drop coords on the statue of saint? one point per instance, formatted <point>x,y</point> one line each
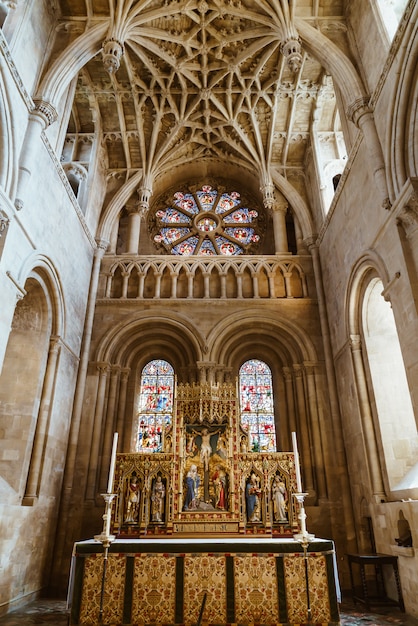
<point>132,500</point>
<point>279,499</point>
<point>219,485</point>
<point>157,500</point>
<point>192,489</point>
<point>253,495</point>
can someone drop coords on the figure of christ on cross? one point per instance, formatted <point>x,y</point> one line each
<point>205,454</point>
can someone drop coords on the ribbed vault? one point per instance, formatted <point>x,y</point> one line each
<point>232,84</point>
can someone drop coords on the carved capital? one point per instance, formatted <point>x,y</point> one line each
<point>408,216</point>
<point>54,344</point>
<point>358,108</point>
<point>355,343</point>
<point>298,370</point>
<point>102,246</point>
<point>103,368</point>
<point>287,374</point>
<point>45,111</point>
<point>124,374</point>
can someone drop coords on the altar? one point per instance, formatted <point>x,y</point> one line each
<point>244,581</point>
<point>204,522</point>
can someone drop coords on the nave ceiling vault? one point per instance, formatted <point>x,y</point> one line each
<point>229,83</point>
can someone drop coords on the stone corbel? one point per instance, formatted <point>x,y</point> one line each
<point>112,53</point>
<point>290,43</point>
<point>405,207</point>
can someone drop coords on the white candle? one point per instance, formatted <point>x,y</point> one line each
<point>297,464</point>
<point>112,463</point>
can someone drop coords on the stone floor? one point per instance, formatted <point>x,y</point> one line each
<point>54,613</point>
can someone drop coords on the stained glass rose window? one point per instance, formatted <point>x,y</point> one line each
<point>207,222</point>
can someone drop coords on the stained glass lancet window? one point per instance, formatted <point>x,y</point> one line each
<point>256,401</point>
<point>207,222</point>
<point>155,406</point>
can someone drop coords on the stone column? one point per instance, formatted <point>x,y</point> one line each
<point>39,119</point>
<point>135,214</point>
<point>290,402</point>
<point>109,427</point>
<point>335,448</point>
<point>362,116</point>
<point>307,482</point>
<point>278,205</point>
<point>279,227</point>
<point>42,424</point>
<point>103,370</point>
<point>124,432</point>
<point>369,437</point>
<point>64,529</point>
<point>316,430</point>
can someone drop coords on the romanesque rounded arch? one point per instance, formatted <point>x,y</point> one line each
<point>270,335</point>
<point>148,332</point>
<point>368,265</point>
<point>42,270</point>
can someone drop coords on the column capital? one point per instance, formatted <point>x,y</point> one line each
<point>124,374</point>
<point>45,111</point>
<point>311,243</point>
<point>355,343</point>
<point>102,245</point>
<point>357,109</point>
<point>103,368</point>
<point>280,205</point>
<point>54,344</point>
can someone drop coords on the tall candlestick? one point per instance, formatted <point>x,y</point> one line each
<point>112,463</point>
<point>297,464</point>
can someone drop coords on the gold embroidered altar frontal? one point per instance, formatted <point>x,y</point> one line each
<point>244,581</point>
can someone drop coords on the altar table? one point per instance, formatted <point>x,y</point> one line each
<point>243,580</point>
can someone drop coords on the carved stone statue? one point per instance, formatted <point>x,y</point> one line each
<point>157,500</point>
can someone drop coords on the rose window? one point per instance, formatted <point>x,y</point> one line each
<point>207,222</point>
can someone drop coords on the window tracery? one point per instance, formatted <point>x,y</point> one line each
<point>155,406</point>
<point>257,408</point>
<point>207,222</point>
